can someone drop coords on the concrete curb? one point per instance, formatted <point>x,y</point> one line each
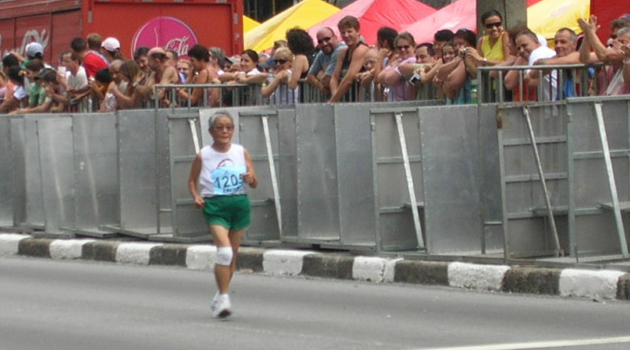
<point>595,284</point>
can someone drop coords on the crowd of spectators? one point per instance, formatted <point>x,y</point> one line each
<point>396,68</point>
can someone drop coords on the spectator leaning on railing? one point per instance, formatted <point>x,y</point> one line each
<point>350,60</point>
<point>614,54</point>
<point>325,61</point>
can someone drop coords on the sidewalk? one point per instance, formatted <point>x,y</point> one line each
<point>565,282</point>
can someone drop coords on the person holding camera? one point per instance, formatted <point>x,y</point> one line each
<point>457,74</point>
<point>393,76</point>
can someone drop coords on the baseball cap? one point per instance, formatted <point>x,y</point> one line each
<point>34,48</point>
<point>111,44</point>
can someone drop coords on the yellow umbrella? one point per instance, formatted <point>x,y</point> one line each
<point>304,15</point>
<point>249,24</point>
<point>547,16</point>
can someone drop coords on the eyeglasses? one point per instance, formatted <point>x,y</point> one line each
<point>403,47</point>
<point>495,24</point>
<point>280,61</point>
<point>224,127</point>
<point>323,40</point>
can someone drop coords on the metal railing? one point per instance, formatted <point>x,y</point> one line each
<point>558,83</point>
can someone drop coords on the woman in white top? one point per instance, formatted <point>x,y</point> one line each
<point>221,170</point>
<point>278,83</point>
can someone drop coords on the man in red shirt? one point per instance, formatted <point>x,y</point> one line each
<point>90,61</point>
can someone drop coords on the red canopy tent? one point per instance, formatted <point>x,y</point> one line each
<point>607,11</point>
<point>374,14</point>
<point>460,14</point>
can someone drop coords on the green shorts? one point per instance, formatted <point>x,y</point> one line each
<point>231,212</point>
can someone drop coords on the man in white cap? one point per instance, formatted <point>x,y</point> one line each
<point>110,48</point>
<point>34,50</point>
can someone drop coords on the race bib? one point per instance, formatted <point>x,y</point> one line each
<point>227,180</point>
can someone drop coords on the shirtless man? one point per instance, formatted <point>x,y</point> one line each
<point>350,60</point>
<point>163,73</point>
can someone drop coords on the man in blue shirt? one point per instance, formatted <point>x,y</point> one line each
<point>324,64</point>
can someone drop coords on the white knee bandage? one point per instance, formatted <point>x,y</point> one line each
<point>224,256</point>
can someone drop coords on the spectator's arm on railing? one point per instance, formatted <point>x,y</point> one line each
<point>278,78</point>
<point>428,76</point>
<point>252,79</point>
<point>9,104</point>
<point>336,76</point>
<point>455,80</point>
<point>512,77</point>
<point>626,63</point>
<point>356,62</point>
<point>447,68</point>
<point>300,63</point>
<point>392,75</point>
<point>312,79</point>
<point>124,101</point>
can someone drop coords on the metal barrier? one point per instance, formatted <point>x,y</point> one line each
<point>56,161</point>
<point>525,181</point>
<point>7,186</point>
<point>559,82</point>
<point>532,154</point>
<point>95,174</point>
<point>598,163</point>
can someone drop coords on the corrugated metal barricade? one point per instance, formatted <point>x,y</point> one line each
<point>565,177</point>
<point>258,131</point>
<point>532,141</point>
<point>9,188</point>
<point>599,175</point>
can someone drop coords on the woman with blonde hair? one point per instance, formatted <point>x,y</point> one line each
<point>278,83</point>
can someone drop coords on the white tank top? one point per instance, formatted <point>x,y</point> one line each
<point>221,172</point>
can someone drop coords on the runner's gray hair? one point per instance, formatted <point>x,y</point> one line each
<point>213,118</point>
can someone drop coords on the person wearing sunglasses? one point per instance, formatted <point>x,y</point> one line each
<point>392,77</point>
<point>278,83</point>
<point>493,47</point>
<point>325,61</point>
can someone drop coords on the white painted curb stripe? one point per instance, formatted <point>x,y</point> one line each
<point>540,345</point>
<point>9,243</point>
<point>68,249</point>
<point>472,276</point>
<point>368,268</point>
<point>201,257</point>
<point>587,283</point>
<point>135,253</point>
<point>390,270</point>
<point>284,262</point>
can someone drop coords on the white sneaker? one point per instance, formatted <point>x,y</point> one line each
<point>215,301</point>
<point>223,308</point>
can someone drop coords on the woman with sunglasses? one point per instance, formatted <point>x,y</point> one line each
<point>392,76</point>
<point>278,83</point>
<point>494,46</point>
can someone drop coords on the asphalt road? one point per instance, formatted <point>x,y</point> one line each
<point>50,304</point>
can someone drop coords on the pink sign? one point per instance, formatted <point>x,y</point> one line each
<point>167,32</point>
